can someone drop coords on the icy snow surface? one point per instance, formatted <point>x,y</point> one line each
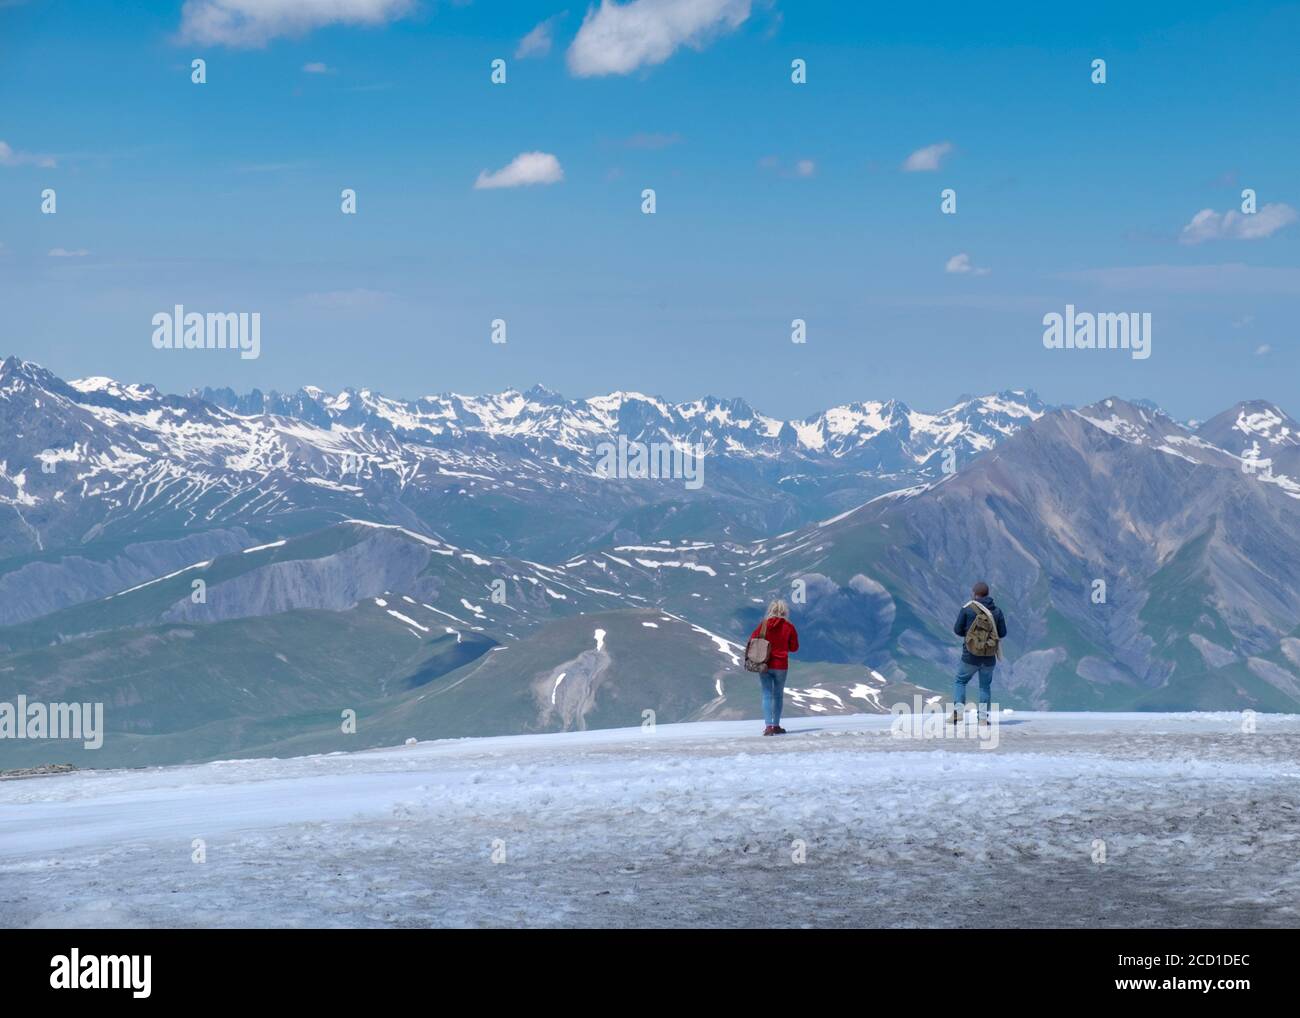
<point>690,824</point>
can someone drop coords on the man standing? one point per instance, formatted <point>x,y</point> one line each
<point>981,626</point>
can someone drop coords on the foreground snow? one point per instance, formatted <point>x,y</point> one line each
<point>686,825</point>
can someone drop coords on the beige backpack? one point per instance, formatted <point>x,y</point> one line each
<point>982,634</point>
<point>758,651</point>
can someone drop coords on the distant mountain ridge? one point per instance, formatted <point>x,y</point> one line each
<point>721,426</point>
<point>477,470</point>
<point>455,553</point>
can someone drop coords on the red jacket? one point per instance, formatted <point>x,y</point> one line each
<point>784,640</point>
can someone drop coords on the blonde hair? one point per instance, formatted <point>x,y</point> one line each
<point>778,609</point>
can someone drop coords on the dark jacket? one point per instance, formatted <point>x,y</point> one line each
<point>783,640</point>
<point>965,617</point>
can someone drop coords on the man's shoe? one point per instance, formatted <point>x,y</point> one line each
<point>778,730</point>
<point>770,730</point>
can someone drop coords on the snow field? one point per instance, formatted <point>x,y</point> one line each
<point>686,825</point>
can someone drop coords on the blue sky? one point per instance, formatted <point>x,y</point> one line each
<point>775,201</point>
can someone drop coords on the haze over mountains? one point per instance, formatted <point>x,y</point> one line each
<point>454,565</point>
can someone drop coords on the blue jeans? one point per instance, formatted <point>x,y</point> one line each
<point>773,683</point>
<point>964,673</point>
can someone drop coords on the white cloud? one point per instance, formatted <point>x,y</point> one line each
<point>254,23</point>
<point>927,158</point>
<point>525,168</point>
<point>801,167</point>
<point>315,67</point>
<point>537,43</point>
<point>1263,350</point>
<point>1233,225</point>
<point>618,38</point>
<point>12,157</point>
<point>61,252</point>
<point>960,265</point>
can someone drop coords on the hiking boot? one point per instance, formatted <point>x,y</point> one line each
<point>778,730</point>
<point>770,730</point>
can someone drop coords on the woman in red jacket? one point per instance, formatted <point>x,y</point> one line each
<point>783,640</point>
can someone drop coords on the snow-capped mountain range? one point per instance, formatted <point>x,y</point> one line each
<point>890,432</point>
<point>351,547</point>
<point>95,457</point>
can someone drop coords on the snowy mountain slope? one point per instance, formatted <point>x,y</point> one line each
<point>608,670</point>
<point>96,458</point>
<point>679,825</point>
<point>32,586</point>
<point>891,434</point>
<point>1188,545</point>
<point>277,684</point>
<point>1263,435</point>
<point>1174,527</point>
<point>320,505</point>
<point>332,569</point>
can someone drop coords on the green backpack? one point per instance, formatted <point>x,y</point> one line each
<point>982,635</point>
